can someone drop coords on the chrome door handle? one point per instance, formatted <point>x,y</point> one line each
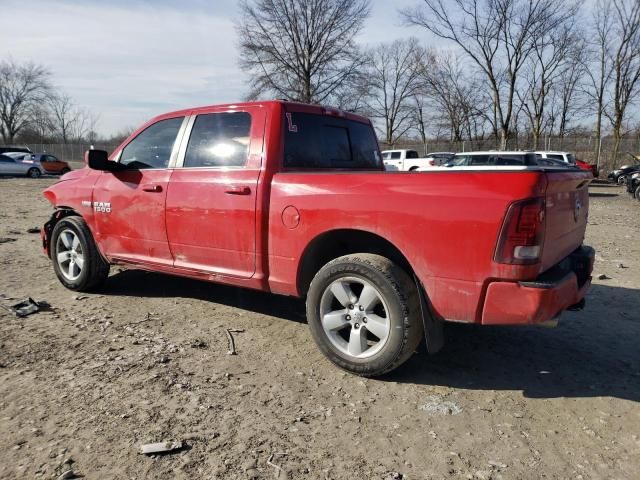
<point>237,190</point>
<point>150,187</point>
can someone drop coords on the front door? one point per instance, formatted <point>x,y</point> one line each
<point>129,205</point>
<point>211,201</point>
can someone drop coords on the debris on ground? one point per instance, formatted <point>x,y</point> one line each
<point>25,307</point>
<point>622,265</point>
<point>67,475</point>
<point>7,239</point>
<point>272,456</point>
<point>33,230</point>
<point>162,447</point>
<point>197,343</point>
<point>437,406</point>
<point>232,343</point>
<point>602,276</point>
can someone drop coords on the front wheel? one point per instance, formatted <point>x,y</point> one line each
<point>34,173</point>
<point>76,260</point>
<point>637,193</point>
<point>621,179</point>
<point>364,314</point>
<point>65,170</point>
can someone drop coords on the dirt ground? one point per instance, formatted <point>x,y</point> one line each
<point>84,385</point>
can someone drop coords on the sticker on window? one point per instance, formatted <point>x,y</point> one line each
<point>292,127</point>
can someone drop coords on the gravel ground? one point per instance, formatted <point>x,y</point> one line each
<point>83,385</point>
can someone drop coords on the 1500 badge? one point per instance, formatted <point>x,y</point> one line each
<point>100,207</point>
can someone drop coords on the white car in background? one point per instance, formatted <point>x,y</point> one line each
<point>409,160</point>
<point>565,157</point>
<point>16,166</point>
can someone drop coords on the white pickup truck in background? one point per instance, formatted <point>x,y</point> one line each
<point>409,160</point>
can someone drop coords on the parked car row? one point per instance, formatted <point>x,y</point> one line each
<point>621,174</point>
<point>21,161</point>
<point>633,185</point>
<point>409,160</point>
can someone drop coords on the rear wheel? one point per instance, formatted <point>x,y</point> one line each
<point>621,179</point>
<point>364,314</point>
<point>76,260</point>
<point>34,173</point>
<point>637,193</point>
<point>65,170</point>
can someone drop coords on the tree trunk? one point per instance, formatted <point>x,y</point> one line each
<point>598,137</point>
<point>504,136</point>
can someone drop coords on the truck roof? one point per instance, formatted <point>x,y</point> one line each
<point>287,104</point>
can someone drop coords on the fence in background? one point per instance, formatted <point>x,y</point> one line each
<point>583,146</point>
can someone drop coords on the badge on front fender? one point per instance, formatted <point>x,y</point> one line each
<point>98,207</point>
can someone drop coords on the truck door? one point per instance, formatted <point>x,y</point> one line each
<point>211,200</point>
<point>129,205</point>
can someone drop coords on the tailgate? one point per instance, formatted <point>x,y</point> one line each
<point>567,208</point>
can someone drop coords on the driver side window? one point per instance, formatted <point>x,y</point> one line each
<point>152,147</point>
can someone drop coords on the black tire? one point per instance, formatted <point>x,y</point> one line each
<point>621,179</point>
<point>34,173</point>
<point>637,193</point>
<point>95,269</point>
<point>65,170</point>
<point>396,290</point>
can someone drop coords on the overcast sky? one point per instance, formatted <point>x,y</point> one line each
<point>128,60</point>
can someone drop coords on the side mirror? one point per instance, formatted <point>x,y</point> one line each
<point>99,160</point>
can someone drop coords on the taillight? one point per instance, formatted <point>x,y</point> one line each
<point>522,234</point>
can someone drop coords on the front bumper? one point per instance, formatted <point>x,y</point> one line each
<point>560,288</point>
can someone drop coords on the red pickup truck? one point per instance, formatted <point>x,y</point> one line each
<point>293,199</point>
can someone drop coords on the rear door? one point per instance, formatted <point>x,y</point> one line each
<point>129,205</point>
<point>211,200</point>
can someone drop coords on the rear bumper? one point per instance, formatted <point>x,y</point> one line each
<point>523,303</point>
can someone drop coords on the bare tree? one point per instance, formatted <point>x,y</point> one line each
<point>568,92</point>
<point>22,88</point>
<point>453,93</point>
<point>40,123</point>
<point>542,71</point>
<point>394,80</point>
<point>70,122</point>
<point>419,119</point>
<point>497,35</point>
<point>300,49</point>
<point>599,69</point>
<point>626,64</point>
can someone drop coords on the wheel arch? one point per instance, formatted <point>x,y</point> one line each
<point>60,213</point>
<point>336,243</point>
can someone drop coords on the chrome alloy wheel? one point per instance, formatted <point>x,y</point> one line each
<point>70,256</point>
<point>354,317</point>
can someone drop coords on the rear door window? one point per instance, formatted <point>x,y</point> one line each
<point>219,140</point>
<point>323,142</point>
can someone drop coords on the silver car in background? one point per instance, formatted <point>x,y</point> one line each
<point>20,165</point>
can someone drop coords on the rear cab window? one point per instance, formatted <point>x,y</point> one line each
<point>321,142</point>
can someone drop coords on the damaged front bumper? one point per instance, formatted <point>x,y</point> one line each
<point>560,288</point>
